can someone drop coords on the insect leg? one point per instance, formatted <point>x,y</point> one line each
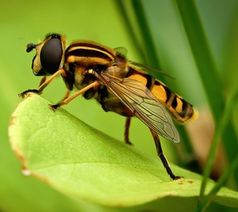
<point>76,94</point>
<point>65,96</point>
<point>43,79</point>
<point>50,79</point>
<point>126,133</point>
<point>162,157</point>
<point>43,84</point>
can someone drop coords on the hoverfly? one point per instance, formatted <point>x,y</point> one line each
<point>118,84</point>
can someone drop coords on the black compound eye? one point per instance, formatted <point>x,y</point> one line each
<point>51,55</point>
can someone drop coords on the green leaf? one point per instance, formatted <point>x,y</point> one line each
<point>84,163</point>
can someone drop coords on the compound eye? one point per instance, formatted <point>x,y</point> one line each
<point>51,55</point>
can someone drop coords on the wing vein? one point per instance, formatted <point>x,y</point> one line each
<point>138,98</point>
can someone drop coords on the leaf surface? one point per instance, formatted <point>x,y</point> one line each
<point>84,163</point>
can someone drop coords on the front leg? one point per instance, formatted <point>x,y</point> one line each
<point>43,79</point>
<point>24,93</point>
<point>55,106</point>
<point>36,91</point>
<point>68,98</point>
<point>43,84</point>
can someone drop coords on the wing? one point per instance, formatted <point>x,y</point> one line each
<point>121,51</point>
<point>148,69</point>
<point>154,71</point>
<point>142,103</point>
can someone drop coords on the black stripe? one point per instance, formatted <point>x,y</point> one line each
<point>90,45</point>
<point>87,53</point>
<point>168,93</point>
<point>184,106</point>
<point>174,103</point>
<point>131,71</point>
<point>158,83</point>
<point>150,81</point>
<point>186,109</point>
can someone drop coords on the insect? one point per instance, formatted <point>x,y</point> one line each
<point>119,85</point>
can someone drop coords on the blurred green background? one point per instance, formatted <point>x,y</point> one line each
<point>106,22</point>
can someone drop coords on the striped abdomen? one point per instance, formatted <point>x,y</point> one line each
<point>179,108</point>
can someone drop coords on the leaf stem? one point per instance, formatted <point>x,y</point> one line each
<point>204,201</point>
<point>207,199</point>
<point>208,73</point>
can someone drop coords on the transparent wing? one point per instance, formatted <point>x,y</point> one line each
<point>149,69</point>
<point>121,51</point>
<point>154,71</point>
<point>142,103</point>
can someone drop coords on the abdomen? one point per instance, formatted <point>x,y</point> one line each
<point>181,110</point>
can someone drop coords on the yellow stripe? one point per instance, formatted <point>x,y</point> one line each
<point>139,78</point>
<point>159,92</point>
<point>87,60</point>
<point>91,48</point>
<point>179,105</point>
<point>195,114</point>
